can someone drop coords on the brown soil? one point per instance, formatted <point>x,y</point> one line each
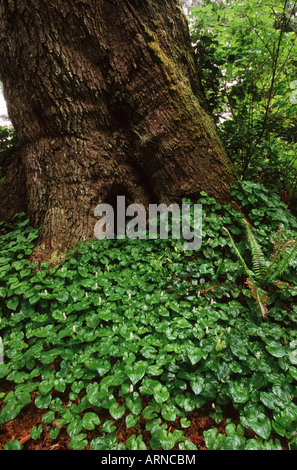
<point>19,428</point>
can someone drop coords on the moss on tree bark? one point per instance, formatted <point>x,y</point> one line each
<point>106,100</point>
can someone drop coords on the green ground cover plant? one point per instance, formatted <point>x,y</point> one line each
<point>133,329</point>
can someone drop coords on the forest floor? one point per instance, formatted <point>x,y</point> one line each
<point>30,416</point>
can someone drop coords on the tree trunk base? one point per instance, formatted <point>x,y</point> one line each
<point>106,101</point>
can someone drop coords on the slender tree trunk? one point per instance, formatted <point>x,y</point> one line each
<point>105,100</point>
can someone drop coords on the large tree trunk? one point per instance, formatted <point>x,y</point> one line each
<point>105,100</point>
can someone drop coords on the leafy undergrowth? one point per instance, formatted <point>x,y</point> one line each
<point>138,344</point>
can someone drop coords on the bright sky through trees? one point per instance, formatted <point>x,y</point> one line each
<point>4,121</point>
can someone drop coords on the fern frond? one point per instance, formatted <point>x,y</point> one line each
<point>259,295</point>
<point>273,269</point>
<point>258,258</point>
<point>289,256</point>
<point>248,273</point>
<point>278,240</point>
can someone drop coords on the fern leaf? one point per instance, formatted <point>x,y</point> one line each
<point>259,295</point>
<point>289,256</point>
<point>258,258</point>
<point>274,267</point>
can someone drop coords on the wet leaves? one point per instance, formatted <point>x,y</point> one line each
<point>138,349</point>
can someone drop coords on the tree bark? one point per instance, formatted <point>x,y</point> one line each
<point>106,100</point>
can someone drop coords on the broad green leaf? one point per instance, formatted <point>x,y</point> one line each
<point>239,392</point>
<point>48,417</point>
<point>276,349</point>
<point>93,395</point>
<point>160,393</point>
<point>46,386</point>
<point>167,440</point>
<point>258,422</point>
<point>53,433</point>
<point>213,440</point>
<point>195,355</point>
<point>43,401</point>
<point>78,442</point>
<point>135,371</point>
<point>90,420</point>
<point>74,427</point>
<point>197,384</point>
<point>117,411</point>
<point>131,420</point>
<point>13,445</point>
<point>133,402</point>
<point>36,432</point>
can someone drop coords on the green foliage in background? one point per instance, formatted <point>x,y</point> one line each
<point>140,333</point>
<point>131,329</point>
<point>7,148</point>
<point>247,54</point>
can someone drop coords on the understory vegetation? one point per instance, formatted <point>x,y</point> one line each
<point>143,333</point>
<point>132,344</point>
<point>246,54</point>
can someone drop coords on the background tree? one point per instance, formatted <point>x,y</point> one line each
<point>105,100</point>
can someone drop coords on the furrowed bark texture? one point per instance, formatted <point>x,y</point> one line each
<point>105,100</point>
